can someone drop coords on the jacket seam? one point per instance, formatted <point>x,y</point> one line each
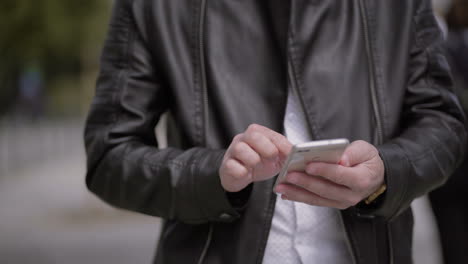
<point>196,71</point>
<point>122,64</point>
<point>157,167</point>
<point>196,194</point>
<point>428,81</point>
<point>405,185</point>
<point>430,84</point>
<point>263,238</point>
<point>377,72</point>
<point>152,165</point>
<point>126,67</point>
<point>150,37</point>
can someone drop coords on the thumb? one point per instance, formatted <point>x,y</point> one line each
<point>356,153</point>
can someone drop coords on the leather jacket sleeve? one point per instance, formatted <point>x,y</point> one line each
<point>432,139</point>
<point>125,166</point>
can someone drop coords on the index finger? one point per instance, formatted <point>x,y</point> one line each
<point>279,140</point>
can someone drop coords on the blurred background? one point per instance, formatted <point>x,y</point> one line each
<point>49,54</point>
<point>49,58</point>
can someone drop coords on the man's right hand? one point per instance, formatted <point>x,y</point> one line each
<point>255,155</point>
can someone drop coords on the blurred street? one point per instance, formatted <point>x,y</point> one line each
<point>48,72</point>
<point>48,216</point>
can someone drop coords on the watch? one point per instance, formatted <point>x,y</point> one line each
<point>376,194</point>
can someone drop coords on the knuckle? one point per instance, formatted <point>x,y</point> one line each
<point>252,137</point>
<point>369,148</point>
<point>272,152</point>
<point>340,177</point>
<point>256,159</point>
<point>363,184</point>
<point>255,136</point>
<point>240,173</point>
<point>238,148</point>
<point>311,169</point>
<point>321,192</point>
<point>253,160</point>
<point>296,179</point>
<point>313,200</point>
<point>237,137</point>
<point>230,165</point>
<point>253,128</point>
<point>290,177</point>
<point>360,142</point>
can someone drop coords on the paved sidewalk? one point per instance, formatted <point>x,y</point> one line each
<point>48,216</point>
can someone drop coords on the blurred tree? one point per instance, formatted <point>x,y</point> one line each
<point>62,37</point>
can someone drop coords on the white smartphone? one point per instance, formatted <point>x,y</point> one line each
<point>329,151</point>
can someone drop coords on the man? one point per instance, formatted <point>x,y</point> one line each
<point>243,81</point>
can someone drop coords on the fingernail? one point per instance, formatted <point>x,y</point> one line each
<point>292,179</point>
<point>311,170</point>
<point>279,189</point>
<point>345,161</point>
<point>282,192</point>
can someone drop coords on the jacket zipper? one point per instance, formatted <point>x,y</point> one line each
<point>372,82</point>
<point>375,105</point>
<point>207,245</point>
<point>203,86</point>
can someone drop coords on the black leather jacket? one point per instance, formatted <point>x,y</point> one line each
<point>363,69</point>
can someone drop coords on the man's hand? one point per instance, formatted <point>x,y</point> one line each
<point>255,155</point>
<point>359,174</point>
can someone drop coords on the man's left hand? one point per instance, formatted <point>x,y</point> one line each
<point>359,173</point>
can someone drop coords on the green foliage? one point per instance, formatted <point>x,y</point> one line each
<point>34,30</point>
<point>63,37</point>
